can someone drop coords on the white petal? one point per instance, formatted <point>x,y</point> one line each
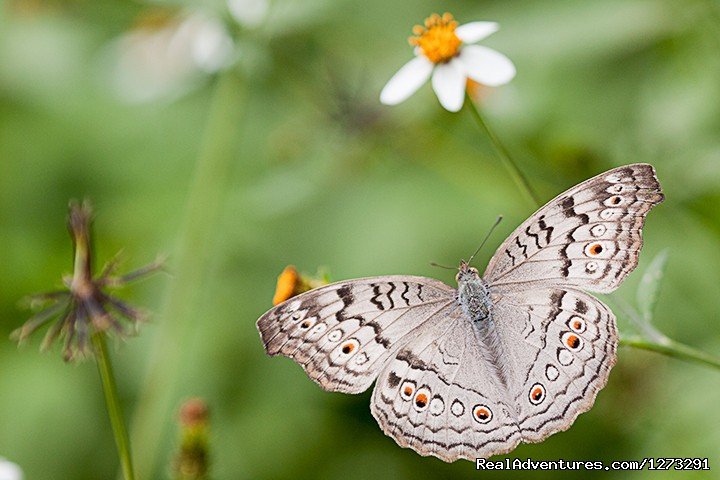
<point>211,46</point>
<point>248,13</point>
<point>9,471</point>
<point>475,31</point>
<point>486,66</point>
<point>448,81</point>
<point>406,81</point>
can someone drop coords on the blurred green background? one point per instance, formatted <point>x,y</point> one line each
<point>241,143</point>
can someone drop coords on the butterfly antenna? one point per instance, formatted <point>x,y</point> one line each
<point>497,222</point>
<point>442,266</point>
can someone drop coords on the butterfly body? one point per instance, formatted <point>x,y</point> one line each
<point>511,356</point>
<point>473,294</point>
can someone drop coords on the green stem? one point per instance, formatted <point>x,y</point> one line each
<point>674,349</point>
<point>112,402</point>
<point>517,175</point>
<point>178,323</point>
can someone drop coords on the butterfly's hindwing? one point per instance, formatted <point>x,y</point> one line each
<point>440,397</point>
<point>562,360</point>
<point>341,334</point>
<point>588,237</point>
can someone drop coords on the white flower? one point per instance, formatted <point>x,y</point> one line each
<point>249,13</point>
<point>154,61</point>
<point>9,471</point>
<point>442,51</point>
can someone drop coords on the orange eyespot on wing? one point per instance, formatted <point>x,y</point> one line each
<point>571,341</point>
<point>422,399</point>
<point>407,390</point>
<point>349,347</point>
<point>537,394</point>
<point>577,324</point>
<point>482,413</point>
<point>595,249</point>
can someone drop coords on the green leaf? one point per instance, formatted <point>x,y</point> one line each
<point>647,292</point>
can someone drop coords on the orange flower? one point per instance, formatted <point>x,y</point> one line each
<point>287,283</point>
<point>291,283</point>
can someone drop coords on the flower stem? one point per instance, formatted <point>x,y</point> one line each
<point>178,324</point>
<point>517,175</point>
<point>112,402</point>
<point>674,349</point>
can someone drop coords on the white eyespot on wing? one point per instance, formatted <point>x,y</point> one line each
<point>482,414</point>
<point>319,329</point>
<point>537,394</point>
<point>407,390</point>
<point>564,357</point>
<point>551,372</point>
<point>307,323</point>
<point>336,335</point>
<point>437,406</point>
<point>349,347</point>
<point>611,214</point>
<point>457,408</point>
<point>599,249</point>
<point>572,342</point>
<point>598,230</point>
<point>577,324</point>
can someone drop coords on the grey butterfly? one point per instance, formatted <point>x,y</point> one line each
<point>512,356</point>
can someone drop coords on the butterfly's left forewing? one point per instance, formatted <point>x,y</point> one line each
<point>342,334</point>
<point>587,237</point>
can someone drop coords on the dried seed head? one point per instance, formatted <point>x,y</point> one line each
<point>84,308</point>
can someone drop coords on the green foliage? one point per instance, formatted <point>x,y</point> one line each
<point>649,287</point>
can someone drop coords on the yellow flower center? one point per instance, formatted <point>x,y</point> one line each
<point>437,38</point>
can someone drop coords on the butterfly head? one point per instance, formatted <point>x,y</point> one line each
<point>466,272</point>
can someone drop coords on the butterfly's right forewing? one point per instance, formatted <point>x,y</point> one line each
<point>342,334</point>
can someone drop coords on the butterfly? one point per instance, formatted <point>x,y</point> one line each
<point>512,356</point>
